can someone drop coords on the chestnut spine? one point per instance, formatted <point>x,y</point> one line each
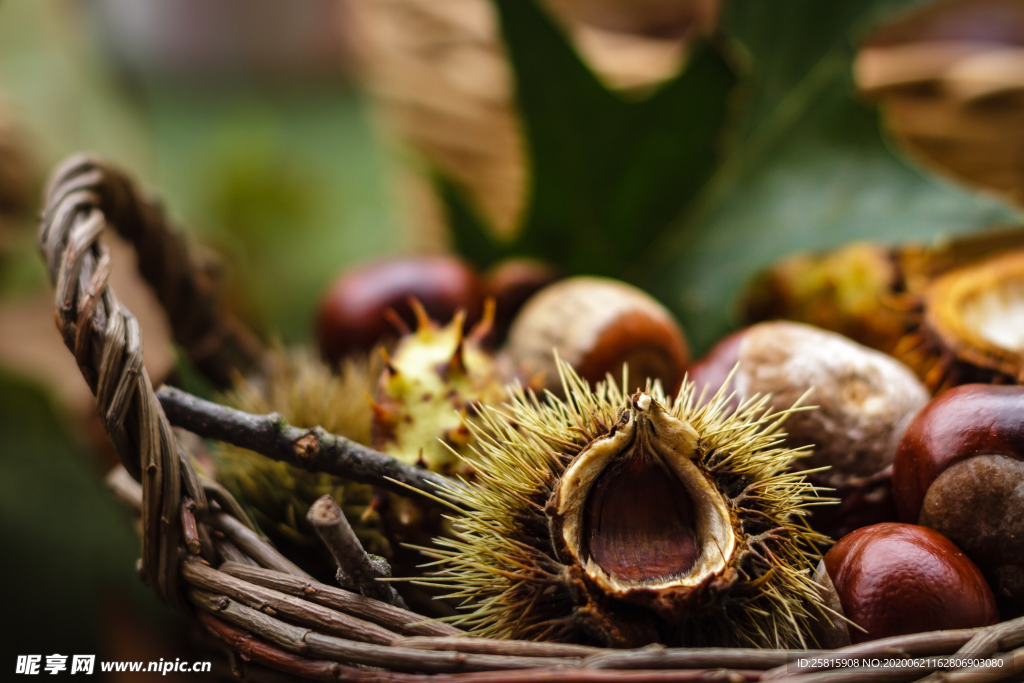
<point>520,562</point>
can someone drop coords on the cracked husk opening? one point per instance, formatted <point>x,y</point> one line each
<point>637,513</point>
<point>978,313</point>
<point>625,519</point>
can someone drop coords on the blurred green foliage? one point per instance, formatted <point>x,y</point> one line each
<point>67,544</point>
<point>810,168</point>
<point>286,180</point>
<point>289,186</point>
<point>806,166</point>
<point>607,172</point>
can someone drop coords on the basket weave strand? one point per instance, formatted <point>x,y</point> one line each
<point>201,555</point>
<point>185,279</point>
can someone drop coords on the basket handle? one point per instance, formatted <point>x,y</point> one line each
<point>84,197</point>
<point>186,280</point>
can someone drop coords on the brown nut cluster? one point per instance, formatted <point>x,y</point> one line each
<point>959,470</point>
<point>894,579</point>
<point>596,325</point>
<point>371,303</point>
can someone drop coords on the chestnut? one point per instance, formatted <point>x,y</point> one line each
<point>864,398</point>
<point>511,283</point>
<point>864,401</point>
<point>893,579</point>
<point>597,325</point>
<point>959,470</point>
<point>354,314</point>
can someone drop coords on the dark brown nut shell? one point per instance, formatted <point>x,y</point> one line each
<point>977,504</point>
<point>966,421</point>
<point>354,313</point>
<point>895,579</point>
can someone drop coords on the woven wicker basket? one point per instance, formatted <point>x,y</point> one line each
<point>202,557</point>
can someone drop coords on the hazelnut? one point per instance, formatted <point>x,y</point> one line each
<point>511,283</point>
<point>354,314</point>
<point>597,325</point>
<point>958,470</point>
<point>894,579</point>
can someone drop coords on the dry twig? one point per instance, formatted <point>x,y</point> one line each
<point>357,569</point>
<point>313,449</point>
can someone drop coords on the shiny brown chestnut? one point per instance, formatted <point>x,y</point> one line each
<point>511,283</point>
<point>895,579</point>
<point>354,314</point>
<point>959,470</point>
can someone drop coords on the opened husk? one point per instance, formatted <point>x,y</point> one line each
<point>972,327</point>
<point>625,520</point>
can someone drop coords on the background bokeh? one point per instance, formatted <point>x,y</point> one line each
<point>263,148</point>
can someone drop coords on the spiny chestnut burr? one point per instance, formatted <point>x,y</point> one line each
<point>596,325</point>
<point>359,309</point>
<point>959,470</point>
<point>843,290</point>
<point>864,398</point>
<point>306,392</point>
<point>433,383</point>
<point>623,519</point>
<point>894,579</point>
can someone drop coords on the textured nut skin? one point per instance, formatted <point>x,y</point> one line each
<point>969,420</point>
<point>511,283</point>
<point>894,579</point>
<point>352,314</point>
<point>596,325</point>
<point>865,398</point>
<point>710,372</point>
<point>978,504</point>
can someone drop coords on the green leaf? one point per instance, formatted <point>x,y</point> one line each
<point>811,169</point>
<point>644,191</point>
<point>608,173</point>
